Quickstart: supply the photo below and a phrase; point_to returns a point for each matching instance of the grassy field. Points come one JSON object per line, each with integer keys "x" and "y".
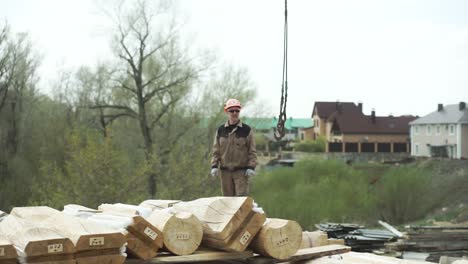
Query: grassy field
{"x": 315, "y": 191}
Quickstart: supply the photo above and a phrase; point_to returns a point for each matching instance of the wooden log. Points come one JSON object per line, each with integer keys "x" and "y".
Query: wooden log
{"x": 183, "y": 231}
{"x": 334, "y": 241}
{"x": 314, "y": 239}
{"x": 35, "y": 243}
{"x": 136, "y": 248}
{"x": 241, "y": 238}
{"x": 92, "y": 241}
{"x": 221, "y": 216}
{"x": 143, "y": 241}
{"x": 150, "y": 238}
{"x": 8, "y": 254}
{"x": 278, "y": 238}
{"x": 158, "y": 204}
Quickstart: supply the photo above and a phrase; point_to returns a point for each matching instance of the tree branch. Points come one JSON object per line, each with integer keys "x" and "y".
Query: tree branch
{"x": 128, "y": 110}
{"x": 150, "y": 95}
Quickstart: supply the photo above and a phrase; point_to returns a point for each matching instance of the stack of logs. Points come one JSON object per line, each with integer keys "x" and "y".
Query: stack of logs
{"x": 84, "y": 235}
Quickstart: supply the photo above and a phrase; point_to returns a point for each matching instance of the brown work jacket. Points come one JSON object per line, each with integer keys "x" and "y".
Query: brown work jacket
{"x": 234, "y": 148}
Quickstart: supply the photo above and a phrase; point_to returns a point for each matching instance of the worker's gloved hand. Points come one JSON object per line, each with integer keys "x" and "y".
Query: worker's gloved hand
{"x": 250, "y": 173}
{"x": 214, "y": 172}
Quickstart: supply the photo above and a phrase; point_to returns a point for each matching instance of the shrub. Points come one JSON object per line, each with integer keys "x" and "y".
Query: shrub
{"x": 314, "y": 191}
{"x": 317, "y": 145}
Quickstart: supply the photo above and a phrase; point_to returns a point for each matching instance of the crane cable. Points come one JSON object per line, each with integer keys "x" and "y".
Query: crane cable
{"x": 280, "y": 129}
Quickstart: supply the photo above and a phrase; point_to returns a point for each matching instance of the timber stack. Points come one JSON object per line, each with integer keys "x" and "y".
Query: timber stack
{"x": 143, "y": 239}
{"x": 94, "y": 243}
{"x": 229, "y": 223}
{"x": 215, "y": 229}
{"x": 36, "y": 244}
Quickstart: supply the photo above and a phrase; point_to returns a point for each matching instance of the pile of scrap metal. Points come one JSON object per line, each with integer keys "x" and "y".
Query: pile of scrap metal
{"x": 431, "y": 242}
{"x": 357, "y": 237}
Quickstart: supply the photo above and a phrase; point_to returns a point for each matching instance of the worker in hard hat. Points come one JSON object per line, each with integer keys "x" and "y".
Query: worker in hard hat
{"x": 234, "y": 153}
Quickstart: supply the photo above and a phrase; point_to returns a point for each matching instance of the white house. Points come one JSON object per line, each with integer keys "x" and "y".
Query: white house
{"x": 442, "y": 133}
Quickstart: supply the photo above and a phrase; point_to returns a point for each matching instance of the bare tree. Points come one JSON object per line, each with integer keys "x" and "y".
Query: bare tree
{"x": 155, "y": 72}
{"x": 6, "y": 65}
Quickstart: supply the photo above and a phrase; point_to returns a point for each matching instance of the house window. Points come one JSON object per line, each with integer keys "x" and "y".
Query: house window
{"x": 302, "y": 136}
{"x": 452, "y": 130}
{"x": 438, "y": 130}
{"x": 318, "y": 123}
{"x": 428, "y": 130}
{"x": 416, "y": 130}
{"x": 416, "y": 149}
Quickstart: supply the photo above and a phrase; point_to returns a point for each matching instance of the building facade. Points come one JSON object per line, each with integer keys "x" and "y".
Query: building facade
{"x": 347, "y": 129}
{"x": 442, "y": 133}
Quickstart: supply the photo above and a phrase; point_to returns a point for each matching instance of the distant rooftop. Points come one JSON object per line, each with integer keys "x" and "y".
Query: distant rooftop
{"x": 449, "y": 114}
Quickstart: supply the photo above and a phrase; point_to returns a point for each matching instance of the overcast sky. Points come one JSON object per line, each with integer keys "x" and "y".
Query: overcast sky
{"x": 397, "y": 56}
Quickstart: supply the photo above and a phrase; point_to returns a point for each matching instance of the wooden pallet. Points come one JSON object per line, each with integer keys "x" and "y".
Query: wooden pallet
{"x": 207, "y": 255}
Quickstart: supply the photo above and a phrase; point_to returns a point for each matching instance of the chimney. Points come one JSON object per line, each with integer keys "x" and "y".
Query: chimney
{"x": 373, "y": 116}
{"x": 359, "y": 105}
{"x": 462, "y": 106}
{"x": 440, "y": 107}
{"x": 339, "y": 107}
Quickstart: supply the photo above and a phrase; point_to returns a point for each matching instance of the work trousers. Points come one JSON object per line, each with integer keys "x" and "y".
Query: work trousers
{"x": 234, "y": 183}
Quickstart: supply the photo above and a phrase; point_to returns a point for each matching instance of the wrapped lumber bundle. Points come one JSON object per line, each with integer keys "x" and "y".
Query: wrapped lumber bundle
{"x": 94, "y": 243}
{"x": 229, "y": 223}
{"x": 125, "y": 210}
{"x": 182, "y": 231}
{"x": 278, "y": 238}
{"x": 8, "y": 253}
{"x": 35, "y": 244}
{"x": 158, "y": 204}
{"x": 143, "y": 239}
{"x": 2, "y": 215}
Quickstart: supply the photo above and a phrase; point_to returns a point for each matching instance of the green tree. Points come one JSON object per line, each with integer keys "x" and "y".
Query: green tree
{"x": 94, "y": 172}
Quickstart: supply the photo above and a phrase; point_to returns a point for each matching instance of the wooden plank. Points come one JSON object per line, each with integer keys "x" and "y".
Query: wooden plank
{"x": 304, "y": 254}
{"x": 198, "y": 256}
